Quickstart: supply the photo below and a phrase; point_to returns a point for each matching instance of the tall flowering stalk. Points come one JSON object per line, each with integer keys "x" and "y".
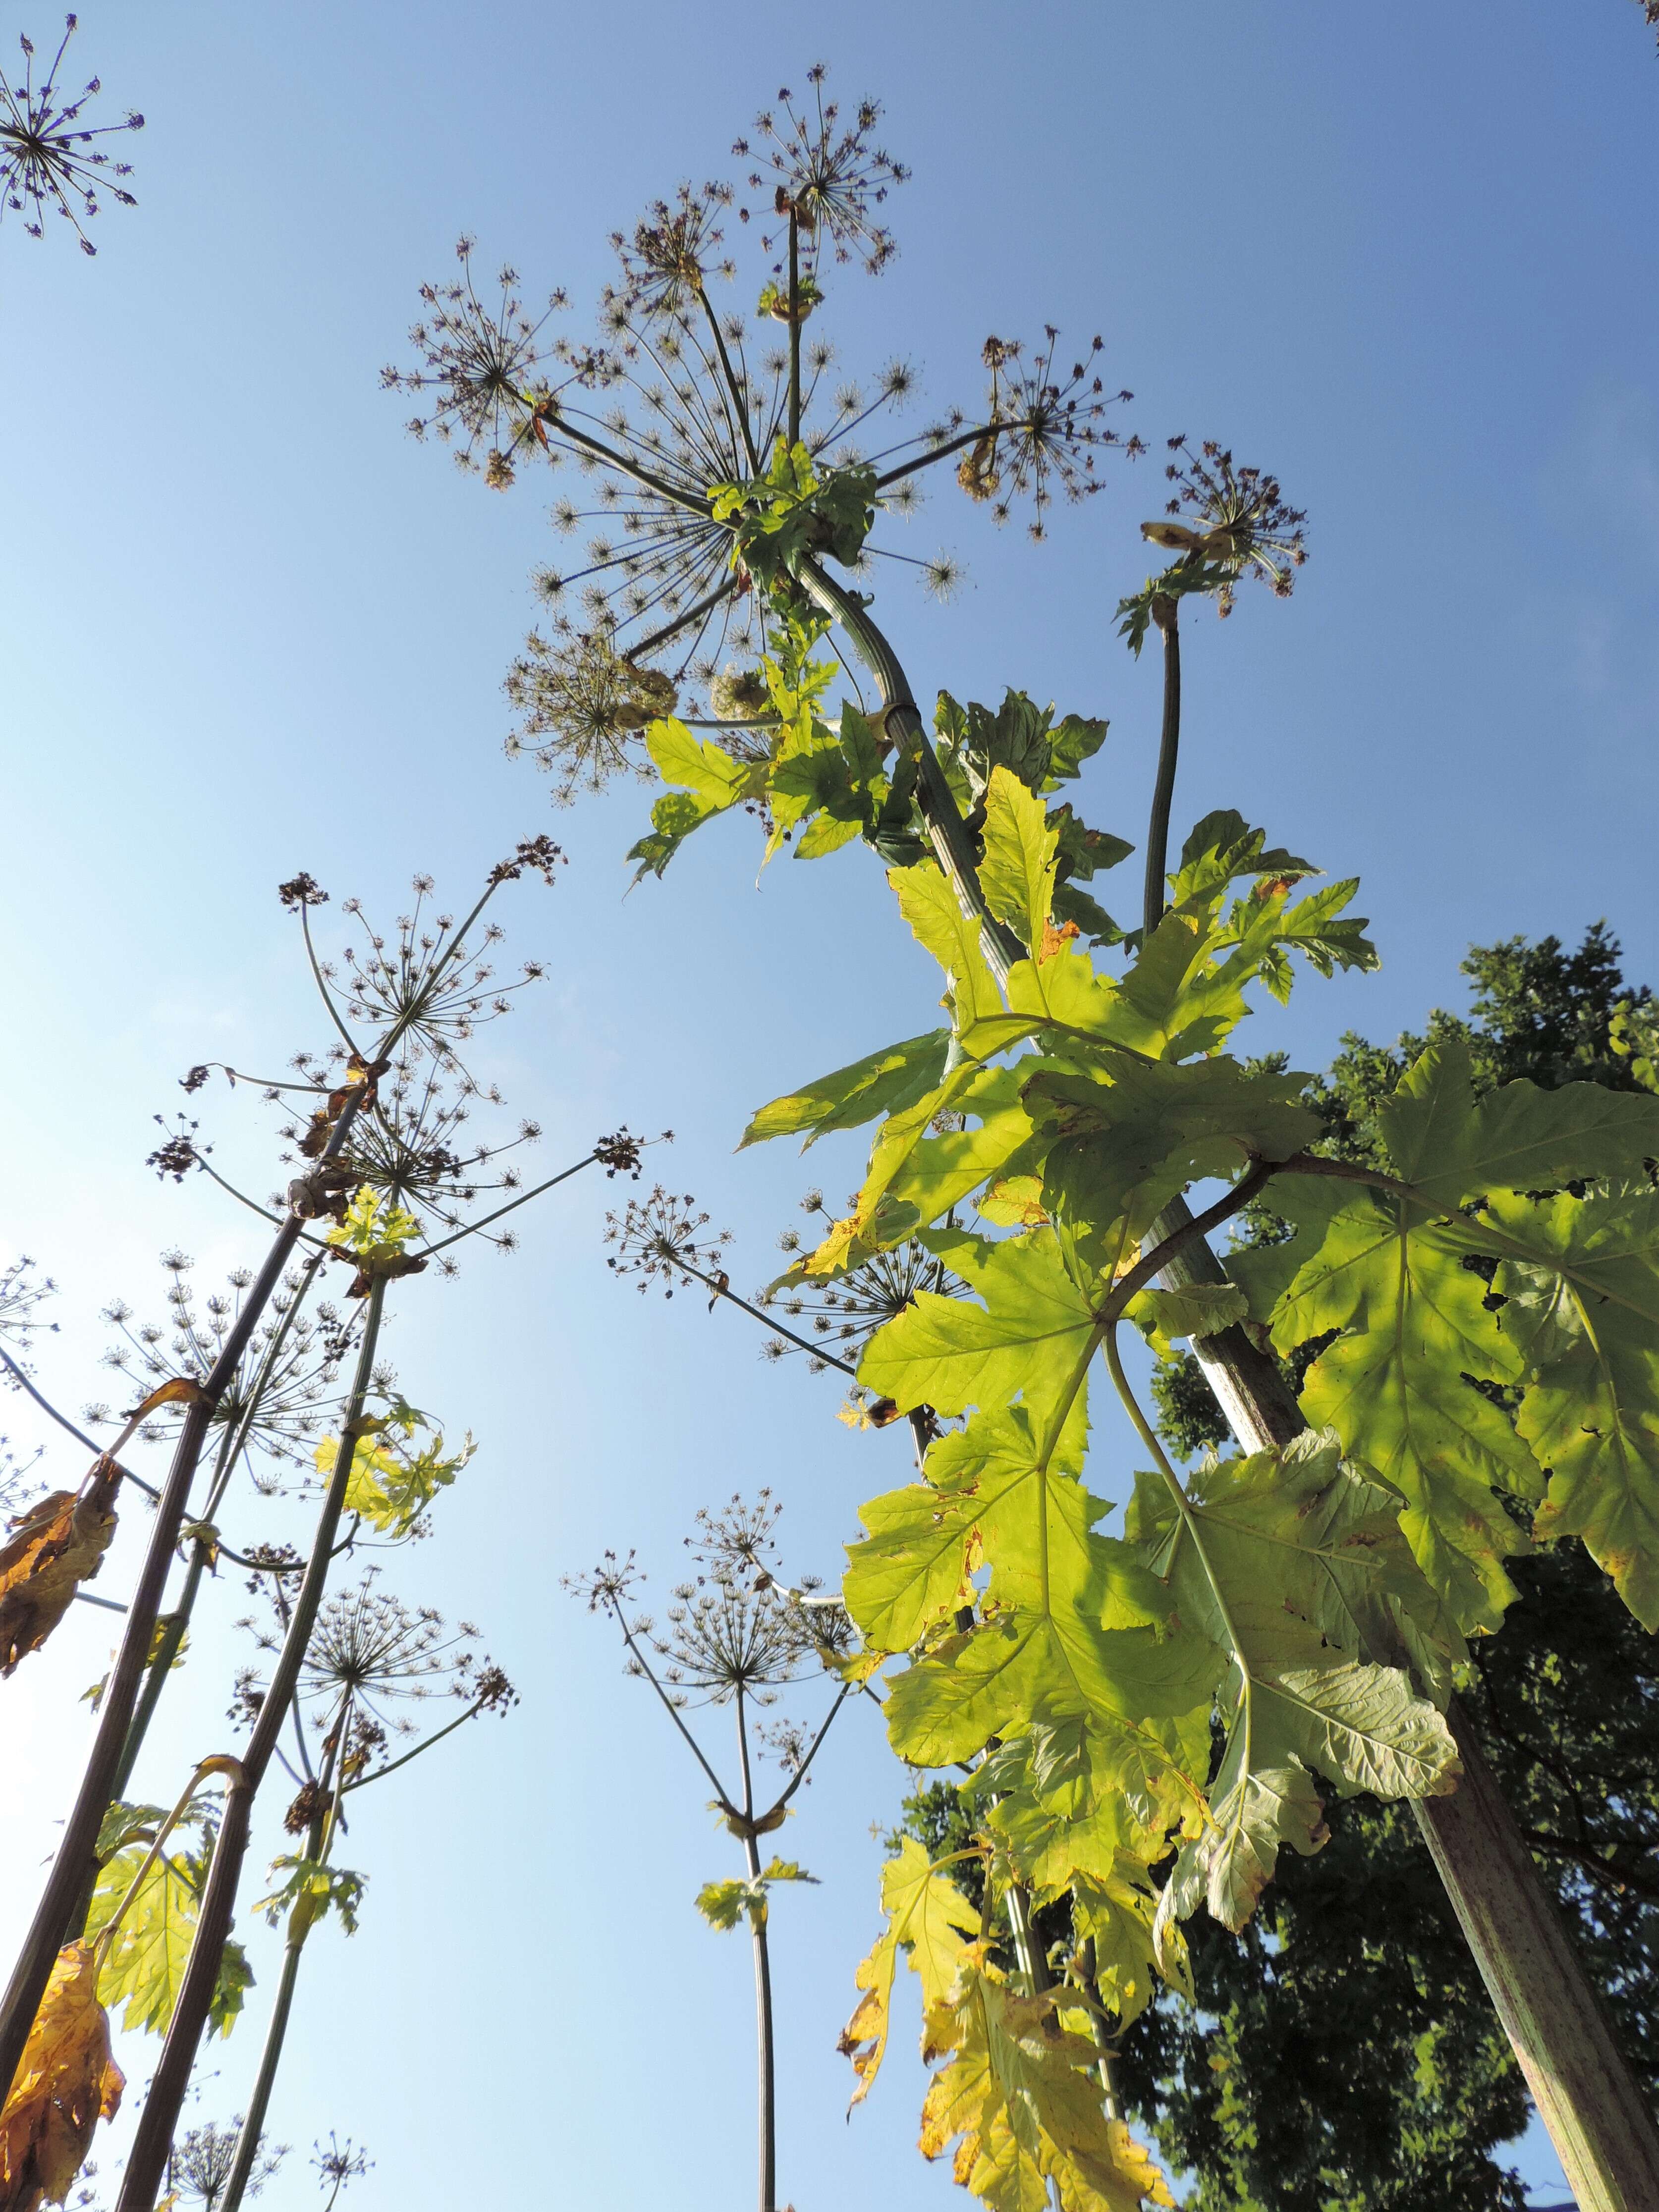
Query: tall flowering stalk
{"x": 377, "y": 1181}
{"x": 1166, "y": 1697}
{"x": 735, "y": 1635}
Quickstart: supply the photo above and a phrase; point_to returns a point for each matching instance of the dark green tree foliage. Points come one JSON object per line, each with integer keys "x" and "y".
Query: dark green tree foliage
{"x": 1342, "y": 2052}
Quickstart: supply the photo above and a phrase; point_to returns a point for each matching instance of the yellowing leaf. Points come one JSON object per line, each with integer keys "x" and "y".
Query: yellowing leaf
{"x": 55, "y": 1547}
{"x": 1021, "y": 2098}
{"x": 178, "y": 1390}
{"x": 723, "y": 1903}
{"x": 927, "y": 1912}
{"x": 931, "y": 907}
{"x": 1027, "y": 1338}
{"x": 391, "y": 1485}
{"x": 66, "y": 2083}
{"x": 145, "y": 1963}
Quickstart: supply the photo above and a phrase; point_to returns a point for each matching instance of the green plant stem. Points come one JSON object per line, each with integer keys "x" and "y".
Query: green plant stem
{"x": 767, "y": 2087}
{"x": 739, "y": 400}
{"x": 1032, "y": 1966}
{"x": 318, "y": 1838}
{"x": 676, "y": 495}
{"x": 147, "y": 2159}
{"x": 178, "y": 1621}
{"x": 248, "y": 2140}
{"x": 1167, "y": 615}
{"x": 23, "y": 1383}
{"x": 802, "y": 1343}
{"x": 672, "y": 1711}
{"x": 795, "y": 358}
{"x": 901, "y": 725}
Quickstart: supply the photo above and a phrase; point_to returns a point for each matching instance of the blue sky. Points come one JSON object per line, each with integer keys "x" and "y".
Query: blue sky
{"x": 1401, "y": 256}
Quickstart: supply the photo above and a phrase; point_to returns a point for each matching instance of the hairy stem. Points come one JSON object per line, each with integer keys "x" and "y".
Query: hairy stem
{"x": 258, "y": 2103}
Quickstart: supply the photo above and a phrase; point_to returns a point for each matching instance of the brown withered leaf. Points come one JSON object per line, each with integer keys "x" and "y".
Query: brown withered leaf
{"x": 382, "y": 1267}
{"x": 1055, "y": 940}
{"x": 66, "y": 2083}
{"x": 180, "y": 1390}
{"x": 52, "y": 1550}
{"x": 315, "y": 1143}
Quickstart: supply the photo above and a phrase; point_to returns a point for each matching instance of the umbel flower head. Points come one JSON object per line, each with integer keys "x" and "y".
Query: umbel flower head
{"x": 845, "y": 1314}
{"x": 734, "y": 1628}
{"x": 683, "y": 419}
{"x": 369, "y": 1652}
{"x": 200, "y": 2163}
{"x": 583, "y": 706}
{"x": 1234, "y": 520}
{"x": 661, "y": 1239}
{"x": 337, "y": 2164}
{"x": 49, "y": 160}
{"x": 479, "y": 365}
{"x": 829, "y": 177}
{"x": 22, "y": 1293}
{"x": 19, "y": 1486}
{"x": 280, "y": 1396}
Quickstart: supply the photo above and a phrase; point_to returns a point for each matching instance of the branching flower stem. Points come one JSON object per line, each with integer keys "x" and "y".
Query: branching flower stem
{"x": 768, "y": 2070}
{"x": 64, "y": 1421}
{"x": 742, "y": 1819}
{"x": 147, "y": 2159}
{"x": 76, "y": 1850}
{"x": 722, "y": 1290}
{"x": 900, "y": 725}
{"x": 202, "y": 1549}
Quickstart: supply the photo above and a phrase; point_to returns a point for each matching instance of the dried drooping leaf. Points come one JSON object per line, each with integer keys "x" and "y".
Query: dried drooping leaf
{"x": 52, "y": 1551}
{"x": 66, "y": 2083}
{"x": 177, "y": 1390}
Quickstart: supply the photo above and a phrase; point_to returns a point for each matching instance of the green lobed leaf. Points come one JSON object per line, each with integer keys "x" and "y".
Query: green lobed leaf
{"x": 1017, "y": 873}
{"x": 1585, "y": 1315}
{"x": 1028, "y": 1340}
{"x": 1415, "y": 1325}
{"x": 1452, "y": 1147}
{"x": 885, "y": 1082}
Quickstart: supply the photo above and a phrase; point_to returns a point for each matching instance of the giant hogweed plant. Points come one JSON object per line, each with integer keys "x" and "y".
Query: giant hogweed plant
{"x": 736, "y": 1635}
{"x": 385, "y": 1180}
{"x": 1148, "y": 1716}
